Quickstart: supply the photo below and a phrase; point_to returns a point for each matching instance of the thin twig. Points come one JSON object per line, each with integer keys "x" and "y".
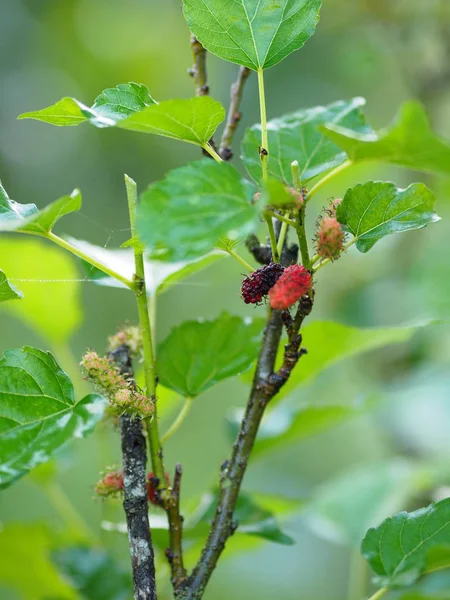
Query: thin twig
{"x": 198, "y": 70}
{"x": 234, "y": 114}
{"x": 135, "y": 504}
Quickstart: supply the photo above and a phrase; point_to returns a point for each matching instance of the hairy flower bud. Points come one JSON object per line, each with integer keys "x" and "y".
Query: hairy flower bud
{"x": 330, "y": 238}
{"x": 258, "y": 284}
{"x": 129, "y": 336}
{"x": 110, "y": 485}
{"x": 290, "y": 287}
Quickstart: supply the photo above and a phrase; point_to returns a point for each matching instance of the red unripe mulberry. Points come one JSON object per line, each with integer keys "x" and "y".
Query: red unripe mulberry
{"x": 152, "y": 487}
{"x": 330, "y": 238}
{"x": 258, "y": 284}
{"x": 111, "y": 484}
{"x": 290, "y": 287}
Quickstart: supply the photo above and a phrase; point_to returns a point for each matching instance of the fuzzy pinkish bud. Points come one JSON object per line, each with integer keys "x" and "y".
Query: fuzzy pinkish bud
{"x": 110, "y": 485}
{"x": 330, "y": 238}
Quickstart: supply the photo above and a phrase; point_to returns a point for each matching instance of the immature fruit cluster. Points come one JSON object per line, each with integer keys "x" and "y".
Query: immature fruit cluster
{"x": 258, "y": 284}
{"x": 111, "y": 486}
{"x": 290, "y": 287}
{"x": 330, "y": 235}
{"x": 121, "y": 392}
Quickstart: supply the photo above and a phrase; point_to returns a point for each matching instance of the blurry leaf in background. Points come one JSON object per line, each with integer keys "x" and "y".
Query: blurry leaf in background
{"x": 255, "y": 35}
{"x": 110, "y": 107}
{"x": 93, "y": 573}
{"x": 198, "y": 354}
{"x": 409, "y": 142}
{"x": 407, "y": 545}
{"x": 328, "y": 343}
{"x": 27, "y": 218}
{"x": 26, "y": 564}
{"x": 345, "y": 506}
{"x": 51, "y": 304}
{"x": 185, "y": 215}
{"x": 284, "y": 426}
{"x": 192, "y": 120}
{"x": 372, "y": 210}
{"x": 160, "y": 276}
{"x": 296, "y": 136}
{"x": 435, "y": 586}
{"x": 256, "y": 514}
{"x": 38, "y": 412}
{"x": 7, "y": 291}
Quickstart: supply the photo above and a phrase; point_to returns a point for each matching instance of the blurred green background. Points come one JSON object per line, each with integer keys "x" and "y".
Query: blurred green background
{"x": 384, "y": 50}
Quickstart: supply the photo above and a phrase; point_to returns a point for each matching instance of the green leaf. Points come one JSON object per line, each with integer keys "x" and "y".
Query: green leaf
{"x": 254, "y": 34}
{"x": 193, "y": 120}
{"x": 409, "y": 142}
{"x": 185, "y": 215}
{"x": 398, "y": 550}
{"x": 297, "y": 137}
{"x": 48, "y": 278}
{"x": 7, "y": 291}
{"x": 283, "y": 426}
{"x": 30, "y": 544}
{"x": 372, "y": 210}
{"x": 344, "y": 507}
{"x": 93, "y": 573}
{"x": 257, "y": 515}
{"x": 434, "y": 586}
{"x": 109, "y": 108}
{"x": 27, "y": 218}
{"x": 328, "y": 343}
{"x": 159, "y": 276}
{"x": 38, "y": 413}
{"x": 196, "y": 355}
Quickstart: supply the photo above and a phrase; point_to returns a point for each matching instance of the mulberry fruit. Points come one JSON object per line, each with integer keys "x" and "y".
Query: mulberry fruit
{"x": 111, "y": 484}
{"x": 258, "y": 284}
{"x": 290, "y": 287}
{"x": 330, "y": 238}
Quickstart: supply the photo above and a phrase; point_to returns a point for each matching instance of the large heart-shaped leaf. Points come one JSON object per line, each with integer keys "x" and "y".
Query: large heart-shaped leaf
{"x": 252, "y": 33}
{"x": 7, "y": 291}
{"x": 192, "y": 120}
{"x": 297, "y": 137}
{"x": 283, "y": 426}
{"x": 185, "y": 215}
{"x": 110, "y": 107}
{"x": 38, "y": 412}
{"x": 159, "y": 276}
{"x": 409, "y": 142}
{"x": 27, "y": 218}
{"x": 371, "y": 210}
{"x": 49, "y": 279}
{"x": 407, "y": 545}
{"x": 198, "y": 354}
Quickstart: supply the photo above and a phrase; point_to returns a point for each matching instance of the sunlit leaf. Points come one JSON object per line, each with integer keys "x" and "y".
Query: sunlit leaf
{"x": 7, "y": 291}
{"x": 198, "y": 354}
{"x": 27, "y": 218}
{"x": 93, "y": 573}
{"x": 372, "y": 210}
{"x": 160, "y": 276}
{"x": 185, "y": 215}
{"x": 297, "y": 137}
{"x": 38, "y": 412}
{"x": 48, "y": 278}
{"x": 110, "y": 107}
{"x": 192, "y": 120}
{"x": 254, "y": 34}
{"x": 26, "y": 566}
{"x": 283, "y": 426}
{"x": 399, "y": 550}
{"x": 409, "y": 142}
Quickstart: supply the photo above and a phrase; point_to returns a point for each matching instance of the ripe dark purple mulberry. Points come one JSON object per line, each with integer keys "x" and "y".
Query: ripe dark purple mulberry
{"x": 258, "y": 284}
